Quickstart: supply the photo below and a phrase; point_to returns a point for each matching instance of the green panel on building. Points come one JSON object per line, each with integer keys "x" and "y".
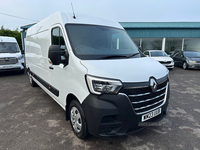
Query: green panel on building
{"x": 161, "y": 35}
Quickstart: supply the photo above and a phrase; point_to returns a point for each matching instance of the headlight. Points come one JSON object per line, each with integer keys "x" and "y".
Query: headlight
{"x": 192, "y": 61}
{"x": 99, "y": 85}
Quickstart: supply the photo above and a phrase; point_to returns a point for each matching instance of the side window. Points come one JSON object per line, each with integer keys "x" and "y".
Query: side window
{"x": 57, "y": 38}
{"x": 179, "y": 54}
{"x": 175, "y": 54}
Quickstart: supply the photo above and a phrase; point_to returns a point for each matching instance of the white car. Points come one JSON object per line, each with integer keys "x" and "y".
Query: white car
{"x": 162, "y": 57}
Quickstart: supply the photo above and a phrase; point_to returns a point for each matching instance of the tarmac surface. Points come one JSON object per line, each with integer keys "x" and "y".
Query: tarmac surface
{"x": 31, "y": 120}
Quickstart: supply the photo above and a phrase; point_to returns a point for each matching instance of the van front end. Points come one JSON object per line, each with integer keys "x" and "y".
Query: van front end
{"x": 11, "y": 58}
{"x": 93, "y": 69}
{"x": 133, "y": 107}
{"x": 11, "y": 62}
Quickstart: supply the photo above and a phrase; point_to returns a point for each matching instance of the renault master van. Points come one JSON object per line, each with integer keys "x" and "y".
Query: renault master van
{"x": 11, "y": 58}
{"x": 93, "y": 70}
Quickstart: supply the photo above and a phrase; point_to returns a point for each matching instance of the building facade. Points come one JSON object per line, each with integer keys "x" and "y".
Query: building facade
{"x": 166, "y": 36}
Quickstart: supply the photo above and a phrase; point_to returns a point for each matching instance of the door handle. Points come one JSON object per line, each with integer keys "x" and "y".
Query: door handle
{"x": 51, "y": 67}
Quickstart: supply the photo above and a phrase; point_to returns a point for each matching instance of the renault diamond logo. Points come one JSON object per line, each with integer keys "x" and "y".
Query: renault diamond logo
{"x": 153, "y": 84}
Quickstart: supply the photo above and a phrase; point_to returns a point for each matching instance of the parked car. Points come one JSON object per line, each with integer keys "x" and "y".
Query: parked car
{"x": 11, "y": 58}
{"x": 187, "y": 59}
{"x": 94, "y": 71}
{"x": 160, "y": 56}
{"x": 171, "y": 53}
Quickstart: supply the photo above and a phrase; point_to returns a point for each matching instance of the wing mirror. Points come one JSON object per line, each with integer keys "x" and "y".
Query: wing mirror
{"x": 57, "y": 56}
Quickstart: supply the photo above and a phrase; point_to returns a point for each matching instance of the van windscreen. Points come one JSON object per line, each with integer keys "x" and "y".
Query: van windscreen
{"x": 7, "y": 47}
{"x": 91, "y": 42}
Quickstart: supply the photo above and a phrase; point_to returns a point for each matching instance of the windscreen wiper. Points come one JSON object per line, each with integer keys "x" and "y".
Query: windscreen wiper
{"x": 113, "y": 56}
{"x": 118, "y": 56}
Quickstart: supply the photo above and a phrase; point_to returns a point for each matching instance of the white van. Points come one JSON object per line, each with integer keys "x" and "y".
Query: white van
{"x": 11, "y": 58}
{"x": 94, "y": 71}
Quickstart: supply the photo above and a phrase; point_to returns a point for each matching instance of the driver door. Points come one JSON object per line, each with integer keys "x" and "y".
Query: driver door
{"x": 58, "y": 74}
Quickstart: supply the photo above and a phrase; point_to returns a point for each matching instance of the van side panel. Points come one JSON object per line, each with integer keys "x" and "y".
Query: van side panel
{"x": 62, "y": 81}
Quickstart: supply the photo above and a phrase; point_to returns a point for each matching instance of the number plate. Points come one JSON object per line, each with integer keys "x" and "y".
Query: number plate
{"x": 7, "y": 67}
{"x": 151, "y": 114}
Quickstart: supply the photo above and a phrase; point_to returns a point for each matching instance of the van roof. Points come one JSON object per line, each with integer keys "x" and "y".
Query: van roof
{"x": 7, "y": 39}
{"x": 67, "y": 18}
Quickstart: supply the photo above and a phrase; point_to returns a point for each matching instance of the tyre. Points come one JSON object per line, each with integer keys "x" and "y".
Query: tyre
{"x": 78, "y": 120}
{"x": 32, "y": 82}
{"x": 184, "y": 65}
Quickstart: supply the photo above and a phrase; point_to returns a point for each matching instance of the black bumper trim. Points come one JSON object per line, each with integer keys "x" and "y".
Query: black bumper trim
{"x": 11, "y": 69}
{"x": 113, "y": 115}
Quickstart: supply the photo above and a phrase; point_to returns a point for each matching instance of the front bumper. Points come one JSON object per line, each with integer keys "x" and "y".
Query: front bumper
{"x": 169, "y": 66}
{"x": 113, "y": 115}
{"x": 15, "y": 67}
{"x": 194, "y": 66}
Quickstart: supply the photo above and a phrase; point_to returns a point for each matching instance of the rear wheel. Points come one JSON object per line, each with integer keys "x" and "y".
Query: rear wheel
{"x": 184, "y": 65}
{"x": 32, "y": 82}
{"x": 78, "y": 120}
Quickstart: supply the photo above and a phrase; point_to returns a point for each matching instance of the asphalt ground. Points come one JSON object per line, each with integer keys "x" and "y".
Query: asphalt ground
{"x": 31, "y": 120}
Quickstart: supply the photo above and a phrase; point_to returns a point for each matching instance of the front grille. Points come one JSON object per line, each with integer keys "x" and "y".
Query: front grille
{"x": 143, "y": 99}
{"x": 165, "y": 62}
{"x": 8, "y": 61}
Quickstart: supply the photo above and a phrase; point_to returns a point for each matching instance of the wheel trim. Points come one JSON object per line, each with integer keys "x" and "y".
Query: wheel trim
{"x": 184, "y": 65}
{"x": 76, "y": 119}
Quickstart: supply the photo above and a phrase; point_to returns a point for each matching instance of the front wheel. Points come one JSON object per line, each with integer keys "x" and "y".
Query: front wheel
{"x": 32, "y": 82}
{"x": 184, "y": 65}
{"x": 78, "y": 120}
